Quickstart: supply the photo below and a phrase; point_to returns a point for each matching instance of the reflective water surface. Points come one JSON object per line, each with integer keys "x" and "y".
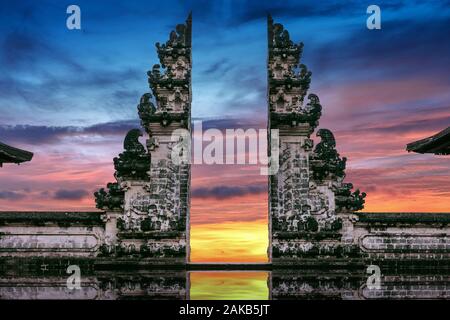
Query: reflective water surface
{"x": 261, "y": 285}
{"x": 229, "y": 285}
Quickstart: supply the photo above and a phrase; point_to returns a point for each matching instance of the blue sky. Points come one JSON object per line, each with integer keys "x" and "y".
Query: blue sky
{"x": 55, "y": 76}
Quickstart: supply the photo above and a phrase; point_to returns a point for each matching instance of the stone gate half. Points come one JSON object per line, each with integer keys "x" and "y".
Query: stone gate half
{"x": 152, "y": 190}
{"x": 312, "y": 211}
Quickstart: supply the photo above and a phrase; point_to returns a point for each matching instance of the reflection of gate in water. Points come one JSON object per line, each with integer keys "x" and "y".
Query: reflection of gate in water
{"x": 225, "y": 285}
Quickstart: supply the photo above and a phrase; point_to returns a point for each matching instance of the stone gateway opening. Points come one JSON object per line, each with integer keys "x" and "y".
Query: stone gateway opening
{"x": 313, "y": 214}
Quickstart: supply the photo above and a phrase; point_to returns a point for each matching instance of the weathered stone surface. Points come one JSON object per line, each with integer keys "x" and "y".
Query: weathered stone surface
{"x": 134, "y": 162}
{"x": 163, "y": 204}
{"x": 112, "y": 199}
{"x": 403, "y": 236}
{"x": 308, "y": 192}
{"x": 50, "y": 240}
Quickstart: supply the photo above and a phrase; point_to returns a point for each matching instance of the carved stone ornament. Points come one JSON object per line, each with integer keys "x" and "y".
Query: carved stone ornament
{"x": 134, "y": 162}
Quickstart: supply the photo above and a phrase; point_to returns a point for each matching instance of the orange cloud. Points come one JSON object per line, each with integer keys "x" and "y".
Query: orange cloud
{"x": 240, "y": 241}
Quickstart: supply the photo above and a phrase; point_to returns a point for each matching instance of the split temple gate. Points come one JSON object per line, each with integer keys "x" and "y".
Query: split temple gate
{"x": 314, "y": 221}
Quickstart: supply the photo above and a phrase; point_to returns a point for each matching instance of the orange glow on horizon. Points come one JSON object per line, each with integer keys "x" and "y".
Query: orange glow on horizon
{"x": 418, "y": 202}
{"x": 239, "y": 241}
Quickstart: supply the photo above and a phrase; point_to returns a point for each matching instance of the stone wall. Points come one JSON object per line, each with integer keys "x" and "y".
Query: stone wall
{"x": 51, "y": 234}
{"x": 403, "y": 236}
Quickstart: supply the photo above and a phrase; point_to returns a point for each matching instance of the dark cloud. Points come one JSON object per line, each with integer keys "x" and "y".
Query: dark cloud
{"x": 290, "y": 9}
{"x": 127, "y": 94}
{"x": 402, "y": 48}
{"x": 237, "y": 12}
{"x": 51, "y": 134}
{"x": 403, "y": 127}
{"x": 112, "y": 128}
{"x": 55, "y": 72}
{"x": 219, "y": 67}
{"x": 37, "y": 135}
{"x": 224, "y": 192}
{"x": 76, "y": 194}
{"x": 27, "y": 50}
{"x": 33, "y": 134}
{"x": 11, "y": 195}
{"x": 233, "y": 123}
{"x": 44, "y": 94}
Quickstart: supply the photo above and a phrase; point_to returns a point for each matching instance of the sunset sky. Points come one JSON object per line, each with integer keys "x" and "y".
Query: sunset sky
{"x": 70, "y": 96}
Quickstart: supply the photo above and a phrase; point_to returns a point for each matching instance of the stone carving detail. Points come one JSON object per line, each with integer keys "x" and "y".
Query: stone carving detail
{"x": 346, "y": 200}
{"x": 170, "y": 80}
{"x": 308, "y": 191}
{"x": 163, "y": 249}
{"x": 48, "y": 242}
{"x": 406, "y": 243}
{"x": 110, "y": 200}
{"x": 289, "y": 80}
{"x": 166, "y": 201}
{"x": 146, "y": 109}
{"x": 134, "y": 162}
{"x": 165, "y": 109}
{"x": 157, "y": 202}
{"x": 312, "y": 211}
{"x": 148, "y": 248}
{"x": 326, "y": 161}
{"x": 312, "y": 249}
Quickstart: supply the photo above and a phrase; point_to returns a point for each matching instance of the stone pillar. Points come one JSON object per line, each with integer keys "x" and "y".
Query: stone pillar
{"x": 166, "y": 116}
{"x": 307, "y": 192}
{"x": 111, "y": 230}
{"x": 153, "y": 183}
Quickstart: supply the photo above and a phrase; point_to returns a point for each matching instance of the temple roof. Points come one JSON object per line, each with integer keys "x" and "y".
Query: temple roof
{"x": 10, "y": 154}
{"x": 437, "y": 144}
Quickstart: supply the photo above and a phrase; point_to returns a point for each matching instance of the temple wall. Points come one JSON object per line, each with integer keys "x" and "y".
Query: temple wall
{"x": 50, "y": 241}
{"x": 423, "y": 236}
{"x": 368, "y": 237}
{"x": 51, "y": 234}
